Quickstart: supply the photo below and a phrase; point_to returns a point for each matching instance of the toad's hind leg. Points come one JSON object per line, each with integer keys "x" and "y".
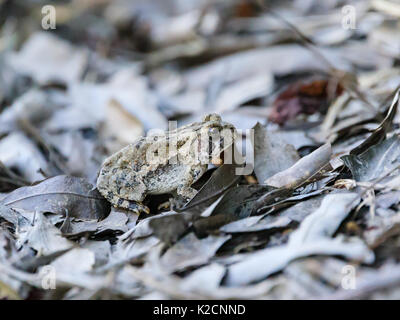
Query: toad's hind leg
{"x": 124, "y": 195}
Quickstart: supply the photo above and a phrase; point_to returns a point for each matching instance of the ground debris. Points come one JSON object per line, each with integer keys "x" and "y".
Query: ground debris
{"x": 308, "y": 187}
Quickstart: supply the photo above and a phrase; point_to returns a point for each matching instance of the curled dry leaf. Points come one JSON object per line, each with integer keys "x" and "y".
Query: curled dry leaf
{"x": 220, "y": 181}
{"x": 303, "y": 169}
{"x": 377, "y": 161}
{"x": 380, "y": 133}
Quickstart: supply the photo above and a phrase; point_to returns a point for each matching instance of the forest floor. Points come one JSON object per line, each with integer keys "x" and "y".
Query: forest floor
{"x": 312, "y": 88}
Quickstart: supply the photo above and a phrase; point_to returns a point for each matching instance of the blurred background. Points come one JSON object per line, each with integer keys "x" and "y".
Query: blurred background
{"x": 88, "y": 77}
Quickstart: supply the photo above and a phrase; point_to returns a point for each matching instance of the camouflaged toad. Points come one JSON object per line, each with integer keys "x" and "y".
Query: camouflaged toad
{"x": 167, "y": 163}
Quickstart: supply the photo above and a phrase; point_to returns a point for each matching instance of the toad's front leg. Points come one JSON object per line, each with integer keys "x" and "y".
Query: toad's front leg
{"x": 184, "y": 189}
{"x": 129, "y": 197}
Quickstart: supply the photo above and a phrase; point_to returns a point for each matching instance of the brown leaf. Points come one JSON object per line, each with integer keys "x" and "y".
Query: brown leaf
{"x": 303, "y": 98}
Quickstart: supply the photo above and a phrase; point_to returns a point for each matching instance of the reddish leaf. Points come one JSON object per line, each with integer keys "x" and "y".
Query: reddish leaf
{"x": 303, "y": 98}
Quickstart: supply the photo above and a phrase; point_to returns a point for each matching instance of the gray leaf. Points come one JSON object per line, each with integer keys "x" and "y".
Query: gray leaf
{"x": 190, "y": 251}
{"x": 271, "y": 153}
{"x": 60, "y": 195}
{"x": 376, "y": 161}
